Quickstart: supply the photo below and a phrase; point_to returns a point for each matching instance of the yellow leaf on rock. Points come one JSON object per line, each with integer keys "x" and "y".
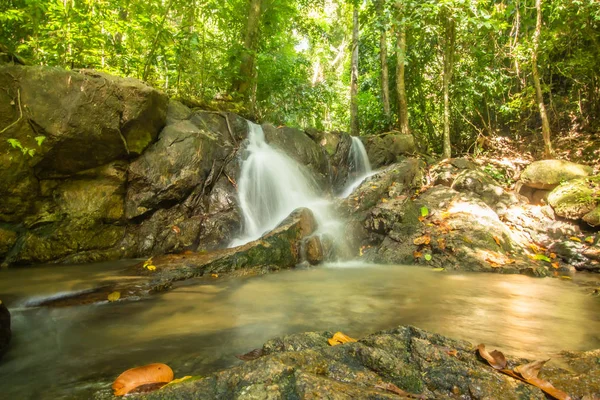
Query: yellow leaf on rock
{"x": 151, "y": 267}
{"x": 114, "y": 296}
{"x": 340, "y": 338}
{"x": 384, "y": 200}
{"x": 178, "y": 380}
{"x": 575, "y": 239}
{"x": 214, "y": 275}
{"x": 497, "y": 240}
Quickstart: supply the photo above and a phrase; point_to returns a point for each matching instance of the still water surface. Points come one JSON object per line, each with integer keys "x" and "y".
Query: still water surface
{"x": 69, "y": 353}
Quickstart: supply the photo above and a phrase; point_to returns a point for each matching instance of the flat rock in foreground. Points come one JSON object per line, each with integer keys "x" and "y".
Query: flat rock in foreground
{"x": 304, "y": 366}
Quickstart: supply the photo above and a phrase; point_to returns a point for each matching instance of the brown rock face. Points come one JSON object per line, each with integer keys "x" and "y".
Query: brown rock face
{"x": 314, "y": 250}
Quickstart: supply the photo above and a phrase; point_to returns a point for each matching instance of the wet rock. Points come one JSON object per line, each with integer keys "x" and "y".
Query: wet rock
{"x": 303, "y": 366}
{"x": 279, "y": 249}
{"x": 547, "y": 174}
{"x": 489, "y": 190}
{"x": 340, "y": 165}
{"x": 5, "y": 332}
{"x": 299, "y": 146}
{"x": 576, "y": 198}
{"x": 314, "y": 250}
{"x": 7, "y": 240}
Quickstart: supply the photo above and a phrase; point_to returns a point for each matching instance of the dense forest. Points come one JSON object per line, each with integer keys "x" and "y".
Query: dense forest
{"x": 451, "y": 72}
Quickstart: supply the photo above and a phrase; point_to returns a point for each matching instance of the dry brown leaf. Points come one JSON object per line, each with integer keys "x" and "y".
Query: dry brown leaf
{"x": 390, "y": 387}
{"x": 421, "y": 219}
{"x": 530, "y": 370}
{"x": 252, "y": 355}
{"x": 496, "y": 359}
{"x": 555, "y": 265}
{"x": 417, "y": 254}
{"x": 146, "y": 375}
{"x": 452, "y": 353}
{"x": 441, "y": 243}
{"x": 340, "y": 338}
{"x": 176, "y": 229}
{"x": 425, "y": 239}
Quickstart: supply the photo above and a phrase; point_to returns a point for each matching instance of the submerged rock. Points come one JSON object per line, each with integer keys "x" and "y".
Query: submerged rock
{"x": 432, "y": 366}
{"x": 5, "y": 333}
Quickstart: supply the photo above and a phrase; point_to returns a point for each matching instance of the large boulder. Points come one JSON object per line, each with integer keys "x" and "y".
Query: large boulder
{"x": 404, "y": 362}
{"x": 5, "y": 333}
{"x": 576, "y": 198}
{"x": 388, "y": 148}
{"x": 547, "y": 174}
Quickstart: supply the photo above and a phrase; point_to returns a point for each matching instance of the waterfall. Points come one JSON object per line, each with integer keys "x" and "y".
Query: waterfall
{"x": 271, "y": 186}
{"x": 358, "y": 159}
{"x": 359, "y": 166}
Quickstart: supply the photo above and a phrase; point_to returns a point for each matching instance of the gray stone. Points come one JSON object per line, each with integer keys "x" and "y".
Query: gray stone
{"x": 547, "y": 174}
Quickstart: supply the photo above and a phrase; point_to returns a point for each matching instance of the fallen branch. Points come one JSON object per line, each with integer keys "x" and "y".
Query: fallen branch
{"x": 20, "y": 112}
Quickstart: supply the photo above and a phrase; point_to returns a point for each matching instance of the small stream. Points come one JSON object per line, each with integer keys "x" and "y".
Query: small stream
{"x": 69, "y": 353}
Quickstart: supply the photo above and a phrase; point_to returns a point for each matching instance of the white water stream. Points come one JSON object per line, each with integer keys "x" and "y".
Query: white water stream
{"x": 359, "y": 166}
{"x": 271, "y": 186}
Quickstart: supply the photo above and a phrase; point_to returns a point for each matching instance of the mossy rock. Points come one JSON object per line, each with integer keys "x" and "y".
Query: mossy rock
{"x": 547, "y": 174}
{"x": 576, "y": 198}
{"x": 593, "y": 217}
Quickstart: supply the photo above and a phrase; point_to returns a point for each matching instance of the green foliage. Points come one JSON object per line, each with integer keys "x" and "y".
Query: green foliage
{"x": 191, "y": 49}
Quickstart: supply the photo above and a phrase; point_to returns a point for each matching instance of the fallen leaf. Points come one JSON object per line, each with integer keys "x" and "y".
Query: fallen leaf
{"x": 421, "y": 219}
{"x": 135, "y": 377}
{"x": 252, "y": 355}
{"x": 339, "y": 338}
{"x": 575, "y": 239}
{"x": 428, "y": 257}
{"x": 497, "y": 240}
{"x": 214, "y": 275}
{"x": 530, "y": 370}
{"x": 542, "y": 257}
{"x": 589, "y": 239}
{"x": 390, "y": 387}
{"x": 452, "y": 353}
{"x": 417, "y": 254}
{"x": 384, "y": 200}
{"x": 441, "y": 243}
{"x": 555, "y": 265}
{"x": 178, "y": 380}
{"x": 425, "y": 239}
{"x": 438, "y": 269}
{"x": 114, "y": 296}
{"x": 424, "y": 211}
{"x": 496, "y": 359}
{"x": 176, "y": 229}
{"x": 552, "y": 256}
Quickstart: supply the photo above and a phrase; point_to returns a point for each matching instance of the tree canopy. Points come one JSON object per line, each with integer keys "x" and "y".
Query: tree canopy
{"x": 468, "y": 67}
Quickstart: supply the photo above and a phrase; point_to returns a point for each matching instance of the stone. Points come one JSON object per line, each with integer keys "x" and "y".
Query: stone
{"x": 8, "y": 238}
{"x": 314, "y": 250}
{"x": 575, "y": 198}
{"x": 387, "y": 149}
{"x": 176, "y": 111}
{"x": 5, "y": 332}
{"x": 547, "y": 174}
{"x": 304, "y": 366}
{"x": 278, "y": 249}
{"x": 444, "y": 172}
{"x": 593, "y": 217}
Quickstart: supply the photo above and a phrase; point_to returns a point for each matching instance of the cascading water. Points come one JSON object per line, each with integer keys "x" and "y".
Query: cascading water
{"x": 359, "y": 166}
{"x": 358, "y": 159}
{"x": 271, "y": 186}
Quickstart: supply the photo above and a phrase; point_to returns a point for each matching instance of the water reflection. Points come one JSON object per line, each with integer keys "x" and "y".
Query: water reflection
{"x": 197, "y": 328}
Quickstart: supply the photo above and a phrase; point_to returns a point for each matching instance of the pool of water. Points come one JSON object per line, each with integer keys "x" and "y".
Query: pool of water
{"x": 199, "y": 327}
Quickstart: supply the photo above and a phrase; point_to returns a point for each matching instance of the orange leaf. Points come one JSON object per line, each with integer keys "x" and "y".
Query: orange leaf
{"x": 340, "y": 338}
{"x": 421, "y": 219}
{"x": 552, "y": 256}
{"x": 176, "y": 229}
{"x": 417, "y": 254}
{"x": 555, "y": 265}
{"x": 148, "y": 374}
{"x": 425, "y": 239}
{"x": 214, "y": 275}
{"x": 497, "y": 240}
{"x": 442, "y": 243}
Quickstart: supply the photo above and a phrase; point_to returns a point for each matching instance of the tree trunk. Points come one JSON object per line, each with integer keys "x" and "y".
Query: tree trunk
{"x": 400, "y": 61}
{"x": 244, "y": 83}
{"x": 450, "y": 42}
{"x": 354, "y": 126}
{"x": 385, "y": 79}
{"x": 548, "y": 152}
